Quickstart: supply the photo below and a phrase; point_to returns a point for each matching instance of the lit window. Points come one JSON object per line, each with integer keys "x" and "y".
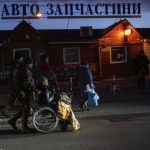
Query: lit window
{"x": 118, "y": 55}
{"x": 71, "y": 55}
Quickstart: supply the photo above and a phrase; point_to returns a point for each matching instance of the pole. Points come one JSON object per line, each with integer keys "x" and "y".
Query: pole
{"x": 71, "y": 83}
{"x": 3, "y": 65}
{"x": 100, "y": 62}
{"x": 114, "y": 85}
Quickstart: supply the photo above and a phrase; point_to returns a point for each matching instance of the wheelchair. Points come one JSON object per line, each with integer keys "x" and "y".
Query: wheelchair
{"x": 45, "y": 117}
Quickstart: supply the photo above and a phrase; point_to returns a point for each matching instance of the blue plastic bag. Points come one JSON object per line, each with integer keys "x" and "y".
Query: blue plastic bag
{"x": 93, "y": 98}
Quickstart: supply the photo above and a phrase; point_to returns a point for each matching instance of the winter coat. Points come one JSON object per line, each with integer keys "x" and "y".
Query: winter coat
{"x": 141, "y": 62}
{"x": 83, "y": 78}
{"x": 24, "y": 79}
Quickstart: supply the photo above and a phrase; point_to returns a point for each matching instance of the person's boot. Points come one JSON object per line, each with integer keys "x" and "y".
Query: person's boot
{"x": 86, "y": 106}
{"x": 82, "y": 106}
{"x": 13, "y": 124}
{"x": 26, "y": 129}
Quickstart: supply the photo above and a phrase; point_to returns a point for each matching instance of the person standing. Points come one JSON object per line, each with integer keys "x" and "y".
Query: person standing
{"x": 13, "y": 72}
{"x": 44, "y": 70}
{"x": 84, "y": 80}
{"x": 141, "y": 69}
{"x": 24, "y": 90}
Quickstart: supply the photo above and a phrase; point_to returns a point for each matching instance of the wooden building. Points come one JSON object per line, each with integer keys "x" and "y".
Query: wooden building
{"x": 109, "y": 51}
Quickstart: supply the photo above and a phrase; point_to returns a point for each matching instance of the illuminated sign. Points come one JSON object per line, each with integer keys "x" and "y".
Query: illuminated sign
{"x": 66, "y": 10}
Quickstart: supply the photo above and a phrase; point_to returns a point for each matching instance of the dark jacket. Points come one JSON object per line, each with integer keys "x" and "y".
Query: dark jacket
{"x": 52, "y": 81}
{"x": 84, "y": 78}
{"x": 141, "y": 62}
{"x": 24, "y": 79}
{"x": 49, "y": 74}
{"x": 45, "y": 96}
{"x": 13, "y": 72}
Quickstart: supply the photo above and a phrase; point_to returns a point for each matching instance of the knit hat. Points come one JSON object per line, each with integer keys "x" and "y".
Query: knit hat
{"x": 84, "y": 63}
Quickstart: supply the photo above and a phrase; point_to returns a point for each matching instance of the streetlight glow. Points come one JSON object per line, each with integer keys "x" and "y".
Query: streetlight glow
{"x": 128, "y": 32}
{"x": 39, "y": 14}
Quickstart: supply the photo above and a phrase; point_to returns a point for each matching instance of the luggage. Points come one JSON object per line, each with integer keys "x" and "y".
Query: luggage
{"x": 93, "y": 98}
{"x": 75, "y": 123}
{"x": 65, "y": 111}
{"x": 65, "y": 97}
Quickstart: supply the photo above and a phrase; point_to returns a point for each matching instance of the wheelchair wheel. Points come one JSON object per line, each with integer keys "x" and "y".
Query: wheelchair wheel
{"x": 45, "y": 119}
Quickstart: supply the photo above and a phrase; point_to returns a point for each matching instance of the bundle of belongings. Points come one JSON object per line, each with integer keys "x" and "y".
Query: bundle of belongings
{"x": 65, "y": 111}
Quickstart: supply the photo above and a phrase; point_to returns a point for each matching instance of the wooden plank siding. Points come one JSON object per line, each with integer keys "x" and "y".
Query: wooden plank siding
{"x": 95, "y": 49}
{"x": 147, "y": 50}
{"x": 116, "y": 38}
{"x": 88, "y": 52}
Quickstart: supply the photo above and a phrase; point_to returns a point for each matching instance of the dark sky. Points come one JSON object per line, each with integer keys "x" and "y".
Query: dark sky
{"x": 76, "y": 23}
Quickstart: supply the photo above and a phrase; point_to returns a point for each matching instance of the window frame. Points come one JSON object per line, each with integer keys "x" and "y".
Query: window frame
{"x": 21, "y": 49}
{"x": 64, "y": 58}
{"x": 117, "y": 62}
